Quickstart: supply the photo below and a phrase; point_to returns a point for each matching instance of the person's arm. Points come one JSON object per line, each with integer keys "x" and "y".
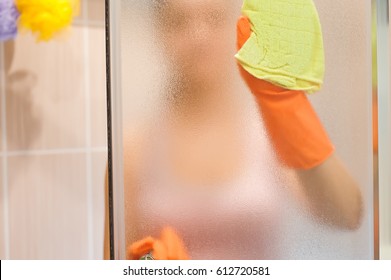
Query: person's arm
{"x": 301, "y": 143}
{"x": 332, "y": 194}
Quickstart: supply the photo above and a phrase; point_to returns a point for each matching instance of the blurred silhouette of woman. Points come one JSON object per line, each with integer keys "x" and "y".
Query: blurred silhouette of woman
{"x": 206, "y": 167}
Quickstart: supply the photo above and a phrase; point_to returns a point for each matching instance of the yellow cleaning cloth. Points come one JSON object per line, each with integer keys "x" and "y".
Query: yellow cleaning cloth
{"x": 286, "y": 44}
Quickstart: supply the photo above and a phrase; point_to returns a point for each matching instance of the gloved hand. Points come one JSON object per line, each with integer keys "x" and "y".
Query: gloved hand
{"x": 168, "y": 247}
{"x": 293, "y": 126}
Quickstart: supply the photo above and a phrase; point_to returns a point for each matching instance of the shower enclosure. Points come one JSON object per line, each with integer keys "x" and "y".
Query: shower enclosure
{"x": 351, "y": 104}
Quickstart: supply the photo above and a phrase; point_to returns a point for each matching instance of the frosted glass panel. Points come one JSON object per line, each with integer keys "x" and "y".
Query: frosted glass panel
{"x": 197, "y": 155}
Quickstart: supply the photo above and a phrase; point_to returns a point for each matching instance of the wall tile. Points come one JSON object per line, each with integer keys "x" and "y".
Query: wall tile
{"x": 97, "y": 72}
{"x": 48, "y": 212}
{"x": 45, "y": 93}
{"x": 96, "y": 10}
{"x": 1, "y": 118}
{"x": 99, "y": 163}
{"x": 6, "y": 50}
{"x": 2, "y": 225}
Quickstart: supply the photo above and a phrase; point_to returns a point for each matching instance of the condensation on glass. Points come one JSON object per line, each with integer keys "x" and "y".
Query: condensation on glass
{"x": 196, "y": 154}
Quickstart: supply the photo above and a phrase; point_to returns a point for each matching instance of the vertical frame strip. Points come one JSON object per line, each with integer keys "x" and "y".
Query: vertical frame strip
{"x": 115, "y": 143}
{"x": 384, "y": 125}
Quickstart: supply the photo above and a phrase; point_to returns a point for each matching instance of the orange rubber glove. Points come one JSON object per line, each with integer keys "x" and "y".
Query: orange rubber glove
{"x": 292, "y": 124}
{"x": 168, "y": 247}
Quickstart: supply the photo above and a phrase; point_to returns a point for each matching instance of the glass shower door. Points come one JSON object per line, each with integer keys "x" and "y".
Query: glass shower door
{"x": 190, "y": 148}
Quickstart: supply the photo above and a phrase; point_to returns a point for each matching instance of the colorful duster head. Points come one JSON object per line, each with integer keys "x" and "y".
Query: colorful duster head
{"x": 46, "y": 18}
{"x": 8, "y": 20}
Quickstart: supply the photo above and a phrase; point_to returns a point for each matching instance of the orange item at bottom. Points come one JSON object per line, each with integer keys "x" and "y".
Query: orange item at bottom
{"x": 168, "y": 247}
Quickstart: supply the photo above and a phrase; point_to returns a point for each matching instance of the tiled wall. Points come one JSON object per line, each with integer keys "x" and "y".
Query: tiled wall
{"x": 53, "y": 148}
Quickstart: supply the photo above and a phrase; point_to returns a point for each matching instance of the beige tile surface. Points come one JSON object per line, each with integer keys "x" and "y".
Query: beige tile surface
{"x": 96, "y": 10}
{"x": 45, "y": 93}
{"x": 2, "y": 225}
{"x": 4, "y": 68}
{"x": 1, "y": 111}
{"x": 99, "y": 162}
{"x": 80, "y": 15}
{"x": 97, "y": 72}
{"x": 47, "y": 207}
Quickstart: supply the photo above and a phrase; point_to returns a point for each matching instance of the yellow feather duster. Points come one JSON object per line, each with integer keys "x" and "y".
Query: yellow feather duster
{"x": 46, "y": 18}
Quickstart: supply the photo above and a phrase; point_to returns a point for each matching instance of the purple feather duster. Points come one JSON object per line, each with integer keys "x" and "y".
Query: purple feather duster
{"x": 8, "y": 20}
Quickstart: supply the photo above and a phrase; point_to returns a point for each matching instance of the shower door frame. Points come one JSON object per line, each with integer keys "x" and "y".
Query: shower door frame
{"x": 382, "y": 159}
{"x": 114, "y": 131}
